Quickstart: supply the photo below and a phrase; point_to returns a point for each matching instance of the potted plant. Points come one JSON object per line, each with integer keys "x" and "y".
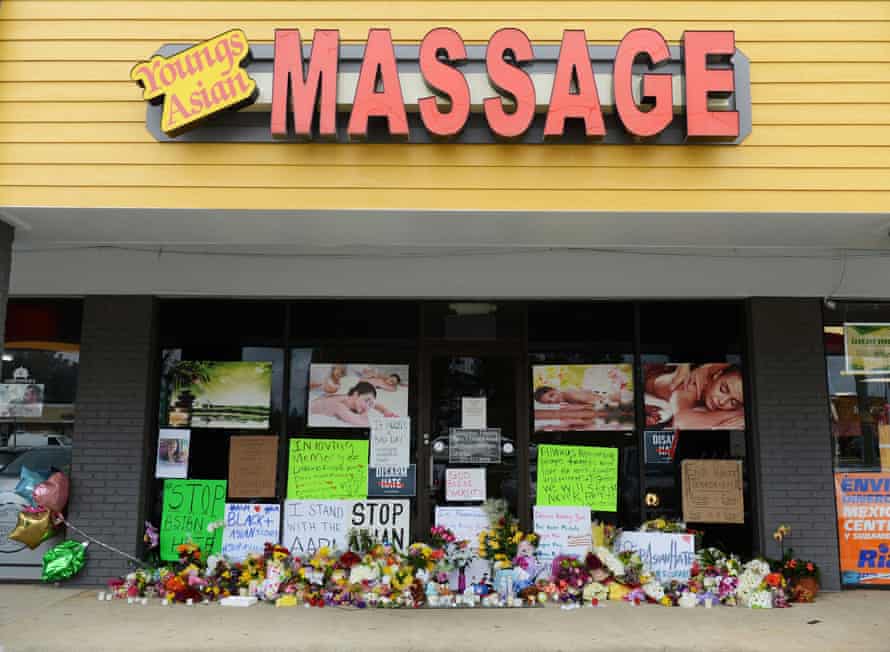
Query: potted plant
{"x": 802, "y": 575}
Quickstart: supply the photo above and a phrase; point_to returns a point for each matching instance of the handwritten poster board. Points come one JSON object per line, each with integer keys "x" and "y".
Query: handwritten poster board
{"x": 311, "y": 524}
{"x": 562, "y": 531}
{"x": 253, "y": 462}
{"x": 712, "y": 491}
{"x": 474, "y": 446}
{"x": 466, "y": 523}
{"x": 189, "y": 507}
{"x": 578, "y": 475}
{"x": 248, "y": 527}
{"x": 390, "y": 442}
{"x": 667, "y": 556}
{"x": 465, "y": 484}
{"x": 327, "y": 469}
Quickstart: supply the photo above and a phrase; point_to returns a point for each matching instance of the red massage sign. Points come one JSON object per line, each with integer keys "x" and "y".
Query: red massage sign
{"x": 439, "y": 90}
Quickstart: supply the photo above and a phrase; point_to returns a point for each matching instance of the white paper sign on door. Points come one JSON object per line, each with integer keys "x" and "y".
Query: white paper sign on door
{"x": 465, "y": 484}
{"x": 562, "y": 531}
{"x": 248, "y": 528}
{"x": 473, "y": 412}
{"x": 390, "y": 442}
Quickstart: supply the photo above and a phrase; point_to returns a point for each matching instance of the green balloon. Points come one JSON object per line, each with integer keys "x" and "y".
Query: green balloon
{"x": 63, "y": 561}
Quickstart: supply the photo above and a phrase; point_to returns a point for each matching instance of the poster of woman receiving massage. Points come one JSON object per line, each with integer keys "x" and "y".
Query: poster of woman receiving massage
{"x": 583, "y": 397}
{"x": 347, "y": 395}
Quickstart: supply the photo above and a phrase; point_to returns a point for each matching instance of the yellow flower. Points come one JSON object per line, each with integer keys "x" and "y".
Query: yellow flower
{"x": 495, "y": 545}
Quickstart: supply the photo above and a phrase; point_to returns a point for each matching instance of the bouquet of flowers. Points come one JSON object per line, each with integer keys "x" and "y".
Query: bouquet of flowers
{"x": 500, "y": 542}
{"x": 715, "y": 574}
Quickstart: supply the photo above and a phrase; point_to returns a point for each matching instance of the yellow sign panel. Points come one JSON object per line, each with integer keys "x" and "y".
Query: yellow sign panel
{"x": 198, "y": 82}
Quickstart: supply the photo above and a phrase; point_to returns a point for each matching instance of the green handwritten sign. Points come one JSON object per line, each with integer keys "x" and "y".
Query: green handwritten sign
{"x": 327, "y": 469}
{"x": 189, "y": 507}
{"x": 578, "y": 475}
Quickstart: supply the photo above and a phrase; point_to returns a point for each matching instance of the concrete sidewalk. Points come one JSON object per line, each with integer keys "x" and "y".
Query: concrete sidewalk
{"x": 44, "y": 618}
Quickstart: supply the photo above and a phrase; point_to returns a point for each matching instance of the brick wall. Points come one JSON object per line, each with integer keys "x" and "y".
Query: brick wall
{"x": 792, "y": 436}
{"x": 115, "y": 400}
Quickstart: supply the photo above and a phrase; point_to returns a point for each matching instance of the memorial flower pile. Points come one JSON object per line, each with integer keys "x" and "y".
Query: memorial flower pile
{"x": 371, "y": 574}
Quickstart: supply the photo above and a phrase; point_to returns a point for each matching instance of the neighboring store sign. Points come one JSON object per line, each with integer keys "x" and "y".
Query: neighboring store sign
{"x": 441, "y": 88}
{"x": 199, "y": 82}
{"x": 392, "y": 480}
{"x": 659, "y": 446}
{"x": 867, "y": 348}
{"x": 863, "y": 513}
{"x": 667, "y": 556}
{"x": 713, "y": 491}
{"x": 474, "y": 446}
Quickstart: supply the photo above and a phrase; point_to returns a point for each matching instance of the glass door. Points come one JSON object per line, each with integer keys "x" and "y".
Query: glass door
{"x": 470, "y": 434}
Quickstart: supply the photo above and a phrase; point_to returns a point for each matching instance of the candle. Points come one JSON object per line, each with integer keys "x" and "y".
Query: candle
{"x": 144, "y": 602}
{"x": 189, "y": 602}
{"x": 109, "y": 596}
{"x": 101, "y": 596}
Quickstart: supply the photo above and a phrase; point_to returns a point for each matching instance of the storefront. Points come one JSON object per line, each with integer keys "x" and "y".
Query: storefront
{"x": 493, "y": 200}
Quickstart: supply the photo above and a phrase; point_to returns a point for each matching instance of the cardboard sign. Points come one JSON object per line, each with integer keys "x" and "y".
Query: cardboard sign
{"x": 473, "y": 412}
{"x": 311, "y": 524}
{"x": 578, "y": 475}
{"x": 465, "y": 484}
{"x": 660, "y": 446}
{"x": 667, "y": 556}
{"x": 327, "y": 469}
{"x": 248, "y": 527}
{"x": 390, "y": 442}
{"x": 253, "y": 463}
{"x": 562, "y": 531}
{"x": 712, "y": 491}
{"x": 474, "y": 446}
{"x": 392, "y": 481}
{"x": 189, "y": 507}
{"x": 198, "y": 82}
{"x": 863, "y": 523}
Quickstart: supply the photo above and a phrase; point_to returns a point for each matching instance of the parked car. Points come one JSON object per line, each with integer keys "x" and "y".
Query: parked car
{"x": 16, "y": 560}
{"x": 9, "y": 453}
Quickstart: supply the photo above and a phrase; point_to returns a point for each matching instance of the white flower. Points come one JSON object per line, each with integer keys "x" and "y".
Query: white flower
{"x": 362, "y": 573}
{"x": 610, "y": 561}
{"x": 654, "y": 590}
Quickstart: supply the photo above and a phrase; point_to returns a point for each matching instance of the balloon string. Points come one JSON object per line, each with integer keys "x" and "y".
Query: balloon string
{"x": 104, "y": 545}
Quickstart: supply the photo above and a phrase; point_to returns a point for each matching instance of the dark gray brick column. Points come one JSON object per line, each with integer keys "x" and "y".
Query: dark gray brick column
{"x": 791, "y": 431}
{"x": 115, "y": 402}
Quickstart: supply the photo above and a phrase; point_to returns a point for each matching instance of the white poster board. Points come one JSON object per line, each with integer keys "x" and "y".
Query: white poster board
{"x": 390, "y": 442}
{"x": 248, "y": 527}
{"x": 311, "y": 524}
{"x": 667, "y": 556}
{"x": 562, "y": 530}
{"x": 466, "y": 523}
{"x": 474, "y": 412}
{"x": 465, "y": 485}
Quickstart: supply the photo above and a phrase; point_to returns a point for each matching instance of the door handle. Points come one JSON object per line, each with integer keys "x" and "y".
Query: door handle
{"x": 426, "y": 439}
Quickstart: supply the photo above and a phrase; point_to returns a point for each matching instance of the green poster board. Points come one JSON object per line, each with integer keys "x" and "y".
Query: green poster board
{"x": 578, "y": 475}
{"x": 189, "y": 507}
{"x": 327, "y": 469}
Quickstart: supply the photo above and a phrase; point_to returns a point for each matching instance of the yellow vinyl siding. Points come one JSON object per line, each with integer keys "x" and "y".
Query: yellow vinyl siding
{"x": 72, "y": 126}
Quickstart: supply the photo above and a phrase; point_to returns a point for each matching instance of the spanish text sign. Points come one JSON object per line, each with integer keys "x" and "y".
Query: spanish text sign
{"x": 863, "y": 513}
{"x": 327, "y": 469}
{"x": 189, "y": 507}
{"x": 578, "y": 475}
{"x": 867, "y": 348}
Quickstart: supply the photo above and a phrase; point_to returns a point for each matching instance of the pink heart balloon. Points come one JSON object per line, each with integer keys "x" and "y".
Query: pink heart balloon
{"x": 53, "y": 493}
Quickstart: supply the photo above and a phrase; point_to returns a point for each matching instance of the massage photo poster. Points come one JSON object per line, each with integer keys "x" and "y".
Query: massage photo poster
{"x": 352, "y": 394}
{"x": 581, "y": 397}
{"x": 685, "y": 396}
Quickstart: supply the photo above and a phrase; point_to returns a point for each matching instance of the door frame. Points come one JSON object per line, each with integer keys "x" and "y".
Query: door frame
{"x": 512, "y": 349}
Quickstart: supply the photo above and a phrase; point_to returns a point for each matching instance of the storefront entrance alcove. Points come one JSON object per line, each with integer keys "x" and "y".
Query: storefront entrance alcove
{"x": 551, "y": 373}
